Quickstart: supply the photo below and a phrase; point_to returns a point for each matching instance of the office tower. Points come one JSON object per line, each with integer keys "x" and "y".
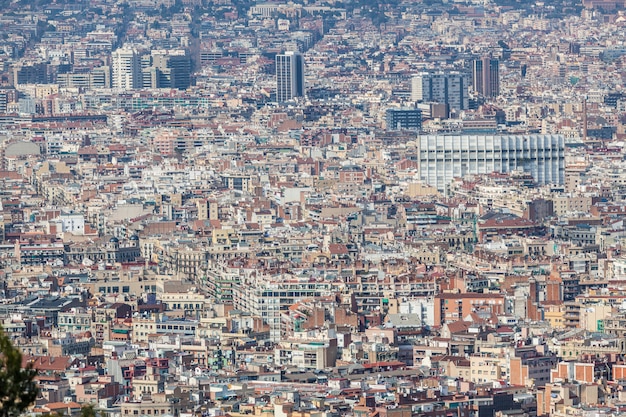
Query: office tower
{"x": 100, "y": 77}
{"x": 486, "y": 77}
{"x": 173, "y": 69}
{"x": 449, "y": 88}
{"x": 126, "y": 69}
{"x": 445, "y": 157}
{"x": 30, "y": 74}
{"x": 289, "y": 76}
{"x": 408, "y": 119}
{"x": 150, "y": 77}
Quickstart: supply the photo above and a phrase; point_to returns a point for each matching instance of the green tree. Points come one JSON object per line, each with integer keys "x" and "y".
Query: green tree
{"x": 18, "y": 388}
{"x": 88, "y": 411}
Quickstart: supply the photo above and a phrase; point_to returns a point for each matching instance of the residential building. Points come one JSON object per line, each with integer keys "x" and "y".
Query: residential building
{"x": 126, "y": 69}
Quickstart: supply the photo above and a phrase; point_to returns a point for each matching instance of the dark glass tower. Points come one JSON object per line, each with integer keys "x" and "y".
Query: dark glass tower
{"x": 486, "y": 77}
{"x": 289, "y": 76}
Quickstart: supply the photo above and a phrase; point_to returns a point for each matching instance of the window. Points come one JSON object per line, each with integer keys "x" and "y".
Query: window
{"x": 126, "y": 289}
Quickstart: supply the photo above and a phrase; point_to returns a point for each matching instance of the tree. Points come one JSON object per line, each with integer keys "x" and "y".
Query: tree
{"x": 88, "y": 411}
{"x": 18, "y": 389}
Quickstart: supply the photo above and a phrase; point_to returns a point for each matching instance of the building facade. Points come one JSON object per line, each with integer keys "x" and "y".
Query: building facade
{"x": 168, "y": 69}
{"x": 404, "y": 119}
{"x": 289, "y": 76}
{"x": 486, "y": 77}
{"x": 267, "y": 297}
{"x": 445, "y": 157}
{"x": 449, "y": 88}
{"x": 126, "y": 69}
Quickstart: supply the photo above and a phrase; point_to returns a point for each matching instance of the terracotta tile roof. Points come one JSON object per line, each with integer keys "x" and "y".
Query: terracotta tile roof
{"x": 48, "y": 363}
{"x": 337, "y": 249}
{"x": 459, "y": 326}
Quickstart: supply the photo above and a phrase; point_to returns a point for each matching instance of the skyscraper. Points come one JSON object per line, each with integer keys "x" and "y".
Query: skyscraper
{"x": 126, "y": 69}
{"x": 486, "y": 77}
{"x": 449, "y": 87}
{"x": 289, "y": 76}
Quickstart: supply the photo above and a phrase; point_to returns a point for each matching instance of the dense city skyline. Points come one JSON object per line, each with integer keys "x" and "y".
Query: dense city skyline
{"x": 314, "y": 208}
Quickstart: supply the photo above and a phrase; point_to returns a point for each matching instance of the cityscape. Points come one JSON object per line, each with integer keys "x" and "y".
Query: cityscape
{"x": 312, "y": 208}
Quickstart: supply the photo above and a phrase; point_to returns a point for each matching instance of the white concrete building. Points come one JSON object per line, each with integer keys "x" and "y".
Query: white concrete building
{"x": 445, "y": 157}
{"x": 126, "y": 69}
{"x": 268, "y": 296}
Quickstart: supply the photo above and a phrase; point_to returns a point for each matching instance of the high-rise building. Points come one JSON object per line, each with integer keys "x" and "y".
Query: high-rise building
{"x": 404, "y": 119}
{"x": 445, "y": 157}
{"x": 4, "y": 100}
{"x": 99, "y": 77}
{"x": 289, "y": 76}
{"x": 486, "y": 77}
{"x": 126, "y": 69}
{"x": 173, "y": 69}
{"x": 31, "y": 73}
{"x": 449, "y": 88}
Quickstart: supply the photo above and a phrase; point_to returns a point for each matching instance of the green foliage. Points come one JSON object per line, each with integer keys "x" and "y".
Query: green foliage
{"x": 18, "y": 389}
{"x": 88, "y": 411}
{"x": 59, "y": 413}
{"x": 169, "y": 12}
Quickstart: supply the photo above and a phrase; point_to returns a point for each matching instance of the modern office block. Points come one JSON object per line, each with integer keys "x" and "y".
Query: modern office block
{"x": 486, "y": 77}
{"x": 150, "y": 77}
{"x": 289, "y": 76}
{"x": 174, "y": 68}
{"x": 80, "y": 80}
{"x": 442, "y": 87}
{"x": 99, "y": 77}
{"x": 445, "y": 157}
{"x": 404, "y": 119}
{"x": 33, "y": 73}
{"x": 126, "y": 69}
